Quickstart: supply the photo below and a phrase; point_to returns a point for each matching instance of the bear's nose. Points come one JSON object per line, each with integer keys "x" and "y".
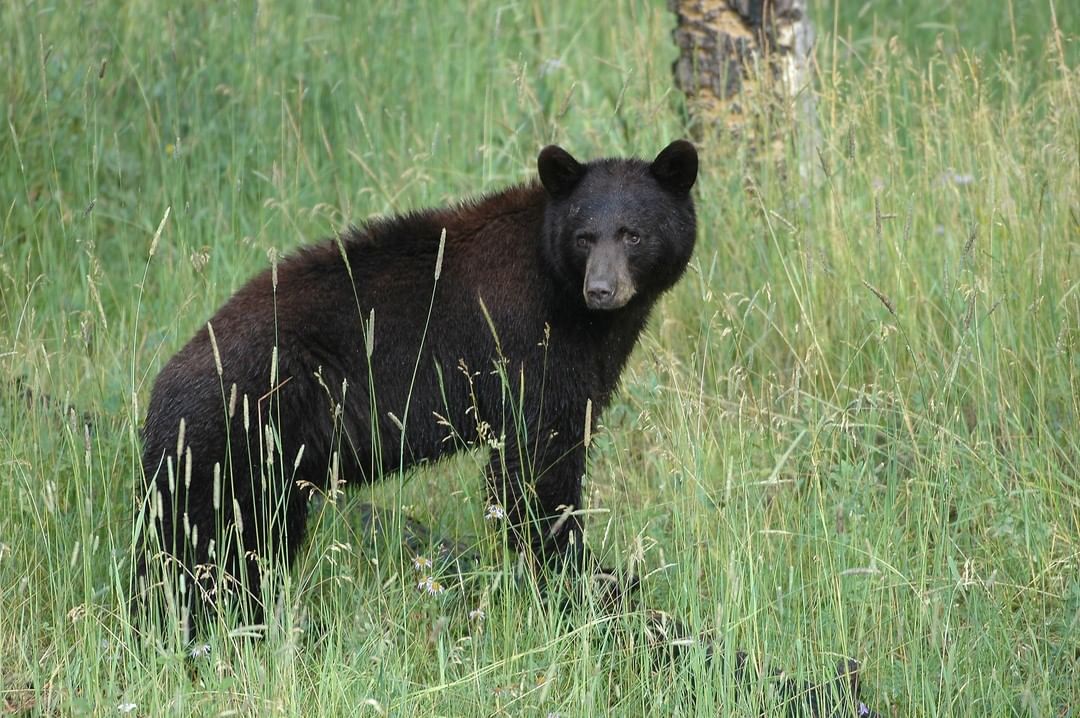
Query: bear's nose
{"x": 599, "y": 291}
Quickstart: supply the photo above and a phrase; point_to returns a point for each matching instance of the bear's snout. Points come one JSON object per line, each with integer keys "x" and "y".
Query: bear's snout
{"x": 608, "y": 284}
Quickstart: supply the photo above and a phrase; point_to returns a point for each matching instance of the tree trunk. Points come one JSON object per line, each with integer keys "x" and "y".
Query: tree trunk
{"x": 744, "y": 66}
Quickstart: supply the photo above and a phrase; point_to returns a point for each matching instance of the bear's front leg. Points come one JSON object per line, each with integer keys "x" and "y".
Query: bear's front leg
{"x": 535, "y": 485}
{"x": 538, "y": 493}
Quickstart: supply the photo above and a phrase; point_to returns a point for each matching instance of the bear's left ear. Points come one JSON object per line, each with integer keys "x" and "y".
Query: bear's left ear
{"x": 675, "y": 168}
{"x": 559, "y": 172}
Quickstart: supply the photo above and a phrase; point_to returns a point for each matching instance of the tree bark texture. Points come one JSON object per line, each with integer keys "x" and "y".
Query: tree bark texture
{"x": 744, "y": 65}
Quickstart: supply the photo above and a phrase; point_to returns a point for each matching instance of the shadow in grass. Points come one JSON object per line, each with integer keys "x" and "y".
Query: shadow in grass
{"x": 670, "y": 639}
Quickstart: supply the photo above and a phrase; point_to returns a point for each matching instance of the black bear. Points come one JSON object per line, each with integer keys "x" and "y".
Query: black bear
{"x": 503, "y": 321}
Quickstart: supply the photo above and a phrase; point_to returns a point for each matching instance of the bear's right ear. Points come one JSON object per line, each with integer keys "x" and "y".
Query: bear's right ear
{"x": 559, "y": 172}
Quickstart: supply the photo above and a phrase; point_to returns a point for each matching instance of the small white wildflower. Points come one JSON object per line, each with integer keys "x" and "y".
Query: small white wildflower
{"x": 477, "y": 614}
{"x": 200, "y": 651}
{"x": 430, "y": 585}
{"x": 494, "y": 513}
{"x": 420, "y": 563}
{"x": 550, "y": 66}
{"x": 961, "y": 179}
{"x": 126, "y": 707}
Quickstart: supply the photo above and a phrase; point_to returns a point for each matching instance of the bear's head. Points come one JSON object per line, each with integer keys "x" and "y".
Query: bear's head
{"x": 619, "y": 230}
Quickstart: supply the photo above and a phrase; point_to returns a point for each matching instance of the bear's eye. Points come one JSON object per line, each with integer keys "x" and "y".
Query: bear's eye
{"x": 631, "y": 238}
{"x": 583, "y": 239}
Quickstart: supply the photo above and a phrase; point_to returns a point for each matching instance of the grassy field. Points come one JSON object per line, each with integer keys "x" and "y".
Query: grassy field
{"x": 852, "y": 430}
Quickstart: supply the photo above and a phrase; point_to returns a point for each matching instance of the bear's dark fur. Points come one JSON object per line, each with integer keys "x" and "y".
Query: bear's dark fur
{"x": 497, "y": 321}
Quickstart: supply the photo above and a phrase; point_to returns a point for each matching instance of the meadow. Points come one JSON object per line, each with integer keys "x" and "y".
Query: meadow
{"x": 853, "y": 429}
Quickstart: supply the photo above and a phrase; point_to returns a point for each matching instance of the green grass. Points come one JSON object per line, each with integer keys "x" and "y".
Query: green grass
{"x": 852, "y": 430}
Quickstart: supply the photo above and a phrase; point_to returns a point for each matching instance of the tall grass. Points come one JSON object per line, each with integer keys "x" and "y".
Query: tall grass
{"x": 851, "y": 430}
